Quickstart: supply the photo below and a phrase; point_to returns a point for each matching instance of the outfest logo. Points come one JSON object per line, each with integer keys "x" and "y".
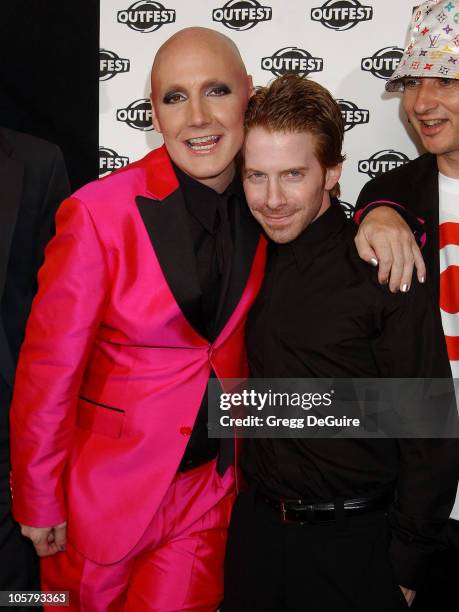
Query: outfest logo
{"x": 110, "y": 64}
{"x": 242, "y": 14}
{"x": 348, "y": 208}
{"x": 109, "y": 161}
{"x": 292, "y": 60}
{"x": 137, "y": 115}
{"x": 352, "y": 114}
{"x": 383, "y": 63}
{"x": 146, "y": 16}
{"x": 381, "y": 162}
{"x": 341, "y": 14}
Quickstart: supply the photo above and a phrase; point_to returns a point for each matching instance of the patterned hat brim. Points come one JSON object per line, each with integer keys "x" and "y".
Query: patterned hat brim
{"x": 446, "y": 67}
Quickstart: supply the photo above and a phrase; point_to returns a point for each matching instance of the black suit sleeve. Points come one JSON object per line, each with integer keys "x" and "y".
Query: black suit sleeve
{"x": 44, "y": 185}
{"x": 377, "y": 193}
{"x": 58, "y": 189}
{"x": 411, "y": 345}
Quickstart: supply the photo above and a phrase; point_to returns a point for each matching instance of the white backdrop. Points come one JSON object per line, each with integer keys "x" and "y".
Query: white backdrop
{"x": 346, "y": 45}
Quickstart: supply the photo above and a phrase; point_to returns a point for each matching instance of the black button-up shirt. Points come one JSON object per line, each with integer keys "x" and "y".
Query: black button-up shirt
{"x": 213, "y": 261}
{"x": 321, "y": 313}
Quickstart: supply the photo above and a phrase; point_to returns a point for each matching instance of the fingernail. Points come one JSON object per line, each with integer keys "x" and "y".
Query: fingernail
{"x": 384, "y": 281}
{"x": 422, "y": 279}
{"x": 404, "y": 288}
{"x": 374, "y": 261}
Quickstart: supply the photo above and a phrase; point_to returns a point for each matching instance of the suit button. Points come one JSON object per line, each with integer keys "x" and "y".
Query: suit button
{"x": 185, "y": 431}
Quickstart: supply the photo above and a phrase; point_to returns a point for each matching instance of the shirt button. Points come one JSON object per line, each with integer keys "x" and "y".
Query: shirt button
{"x": 185, "y": 431}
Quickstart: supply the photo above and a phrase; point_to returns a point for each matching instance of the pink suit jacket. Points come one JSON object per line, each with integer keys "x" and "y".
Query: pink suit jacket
{"x": 111, "y": 374}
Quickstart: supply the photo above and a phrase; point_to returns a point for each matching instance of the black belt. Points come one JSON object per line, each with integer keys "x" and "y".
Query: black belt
{"x": 300, "y": 511}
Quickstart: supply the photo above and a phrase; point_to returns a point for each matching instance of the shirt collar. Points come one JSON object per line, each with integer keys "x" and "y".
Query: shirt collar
{"x": 317, "y": 237}
{"x": 202, "y": 201}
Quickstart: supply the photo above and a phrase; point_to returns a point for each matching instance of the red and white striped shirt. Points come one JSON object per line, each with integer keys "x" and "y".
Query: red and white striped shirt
{"x": 449, "y": 274}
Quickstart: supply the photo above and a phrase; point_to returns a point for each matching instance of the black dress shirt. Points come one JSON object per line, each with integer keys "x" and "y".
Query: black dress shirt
{"x": 321, "y": 313}
{"x": 209, "y": 219}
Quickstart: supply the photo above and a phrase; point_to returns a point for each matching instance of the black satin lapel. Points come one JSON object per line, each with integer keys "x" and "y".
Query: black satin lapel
{"x": 166, "y": 224}
{"x": 246, "y": 237}
{"x": 425, "y": 188}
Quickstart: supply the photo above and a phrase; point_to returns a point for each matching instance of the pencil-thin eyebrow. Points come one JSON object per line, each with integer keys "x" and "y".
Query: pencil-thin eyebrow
{"x": 177, "y": 88}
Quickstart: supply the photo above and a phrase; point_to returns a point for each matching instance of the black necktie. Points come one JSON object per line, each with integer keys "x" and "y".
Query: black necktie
{"x": 224, "y": 242}
{"x": 224, "y": 251}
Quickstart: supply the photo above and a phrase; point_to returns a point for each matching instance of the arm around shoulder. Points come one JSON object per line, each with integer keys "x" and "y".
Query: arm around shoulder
{"x": 386, "y": 239}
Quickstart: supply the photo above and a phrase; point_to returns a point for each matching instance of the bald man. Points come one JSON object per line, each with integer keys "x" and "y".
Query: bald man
{"x": 143, "y": 296}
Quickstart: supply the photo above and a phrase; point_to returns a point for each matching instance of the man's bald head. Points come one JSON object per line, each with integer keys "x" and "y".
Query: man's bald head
{"x": 195, "y": 40}
{"x": 199, "y": 93}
